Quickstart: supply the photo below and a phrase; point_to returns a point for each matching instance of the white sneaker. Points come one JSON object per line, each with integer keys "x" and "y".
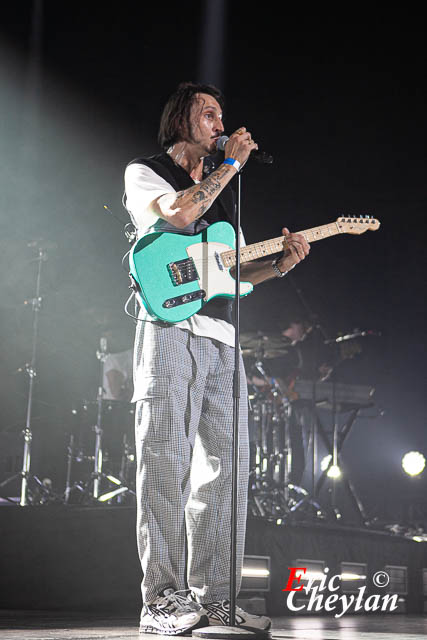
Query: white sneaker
{"x": 218, "y": 613}
{"x": 172, "y": 613}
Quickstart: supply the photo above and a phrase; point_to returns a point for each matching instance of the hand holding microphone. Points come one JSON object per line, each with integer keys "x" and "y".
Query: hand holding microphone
{"x": 240, "y": 146}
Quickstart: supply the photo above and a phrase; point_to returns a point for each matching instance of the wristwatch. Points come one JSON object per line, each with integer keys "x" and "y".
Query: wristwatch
{"x": 279, "y": 274}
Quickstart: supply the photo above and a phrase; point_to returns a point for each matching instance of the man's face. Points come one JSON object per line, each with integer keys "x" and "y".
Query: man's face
{"x": 205, "y": 123}
{"x": 295, "y": 332}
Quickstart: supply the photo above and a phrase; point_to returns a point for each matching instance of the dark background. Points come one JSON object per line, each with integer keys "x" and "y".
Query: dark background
{"x": 337, "y": 101}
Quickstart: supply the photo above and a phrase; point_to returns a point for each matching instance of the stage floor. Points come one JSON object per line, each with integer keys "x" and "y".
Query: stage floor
{"x": 31, "y": 625}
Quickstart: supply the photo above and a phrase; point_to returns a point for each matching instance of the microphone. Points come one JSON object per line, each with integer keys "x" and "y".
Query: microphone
{"x": 260, "y": 156}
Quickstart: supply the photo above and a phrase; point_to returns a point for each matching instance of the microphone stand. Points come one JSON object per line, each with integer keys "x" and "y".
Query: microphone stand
{"x": 236, "y": 408}
{"x": 30, "y": 368}
{"x": 99, "y": 432}
{"x": 232, "y": 630}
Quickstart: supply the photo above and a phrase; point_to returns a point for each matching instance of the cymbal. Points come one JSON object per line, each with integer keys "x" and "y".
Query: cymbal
{"x": 266, "y": 345}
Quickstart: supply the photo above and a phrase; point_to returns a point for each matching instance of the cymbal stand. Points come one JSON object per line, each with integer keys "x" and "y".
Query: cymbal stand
{"x": 270, "y": 491}
{"x": 70, "y": 458}
{"x": 287, "y": 462}
{"x": 92, "y": 488}
{"x": 126, "y": 462}
{"x": 101, "y": 354}
{"x": 262, "y": 451}
{"x": 119, "y": 488}
{"x": 30, "y": 368}
{"x": 256, "y": 488}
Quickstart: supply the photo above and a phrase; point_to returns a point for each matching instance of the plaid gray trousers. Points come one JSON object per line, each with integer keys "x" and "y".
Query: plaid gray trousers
{"x": 184, "y": 415}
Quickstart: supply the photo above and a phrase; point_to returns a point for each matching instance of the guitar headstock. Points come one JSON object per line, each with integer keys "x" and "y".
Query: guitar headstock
{"x": 352, "y": 224}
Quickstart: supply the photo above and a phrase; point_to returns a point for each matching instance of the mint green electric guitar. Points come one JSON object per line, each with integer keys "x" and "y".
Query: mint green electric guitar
{"x": 178, "y": 274}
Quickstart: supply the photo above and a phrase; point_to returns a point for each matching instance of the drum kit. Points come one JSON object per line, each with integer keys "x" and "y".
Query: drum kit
{"x": 101, "y": 449}
{"x": 272, "y": 493}
{"x": 101, "y": 458}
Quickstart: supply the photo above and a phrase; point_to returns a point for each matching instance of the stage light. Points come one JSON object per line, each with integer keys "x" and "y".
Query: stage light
{"x": 314, "y": 570}
{"x": 211, "y": 55}
{"x": 332, "y": 471}
{"x": 310, "y": 575}
{"x": 112, "y": 494}
{"x": 325, "y": 462}
{"x": 256, "y": 573}
{"x": 253, "y": 572}
{"x": 353, "y": 576}
{"x": 413, "y": 463}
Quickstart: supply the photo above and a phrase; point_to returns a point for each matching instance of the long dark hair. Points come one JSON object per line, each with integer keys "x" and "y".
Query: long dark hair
{"x": 175, "y": 120}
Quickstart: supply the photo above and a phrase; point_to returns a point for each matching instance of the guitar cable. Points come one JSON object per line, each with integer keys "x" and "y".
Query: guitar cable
{"x": 129, "y": 231}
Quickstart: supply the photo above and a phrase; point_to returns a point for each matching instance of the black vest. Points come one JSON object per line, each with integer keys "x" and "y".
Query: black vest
{"x": 223, "y": 208}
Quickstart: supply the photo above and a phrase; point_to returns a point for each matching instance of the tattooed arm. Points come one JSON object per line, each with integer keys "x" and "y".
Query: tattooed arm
{"x": 182, "y": 208}
{"x": 185, "y": 206}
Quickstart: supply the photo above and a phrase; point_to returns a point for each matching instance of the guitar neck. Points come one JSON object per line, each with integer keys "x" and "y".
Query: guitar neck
{"x": 276, "y": 245}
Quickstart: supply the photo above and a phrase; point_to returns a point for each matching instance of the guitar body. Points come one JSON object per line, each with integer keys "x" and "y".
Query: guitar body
{"x": 178, "y": 274}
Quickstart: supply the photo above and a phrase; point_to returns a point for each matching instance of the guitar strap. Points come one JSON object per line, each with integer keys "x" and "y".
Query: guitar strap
{"x": 223, "y": 208}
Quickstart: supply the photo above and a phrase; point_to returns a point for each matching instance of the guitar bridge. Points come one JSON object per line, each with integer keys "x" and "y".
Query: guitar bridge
{"x": 183, "y": 271}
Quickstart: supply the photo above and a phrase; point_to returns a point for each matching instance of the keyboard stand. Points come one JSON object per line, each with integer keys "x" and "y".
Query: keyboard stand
{"x": 343, "y": 432}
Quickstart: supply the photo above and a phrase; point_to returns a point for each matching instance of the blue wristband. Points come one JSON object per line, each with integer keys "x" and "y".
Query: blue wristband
{"x": 234, "y": 163}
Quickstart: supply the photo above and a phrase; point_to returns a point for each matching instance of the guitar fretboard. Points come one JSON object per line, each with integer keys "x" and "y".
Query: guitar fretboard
{"x": 276, "y": 245}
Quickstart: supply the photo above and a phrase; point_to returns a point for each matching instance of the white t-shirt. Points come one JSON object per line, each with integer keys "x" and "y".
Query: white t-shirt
{"x": 143, "y": 186}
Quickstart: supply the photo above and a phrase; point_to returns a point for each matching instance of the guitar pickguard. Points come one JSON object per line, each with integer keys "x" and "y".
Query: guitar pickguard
{"x": 214, "y": 277}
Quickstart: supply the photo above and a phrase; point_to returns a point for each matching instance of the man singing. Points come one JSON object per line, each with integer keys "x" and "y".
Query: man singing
{"x": 183, "y": 376}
